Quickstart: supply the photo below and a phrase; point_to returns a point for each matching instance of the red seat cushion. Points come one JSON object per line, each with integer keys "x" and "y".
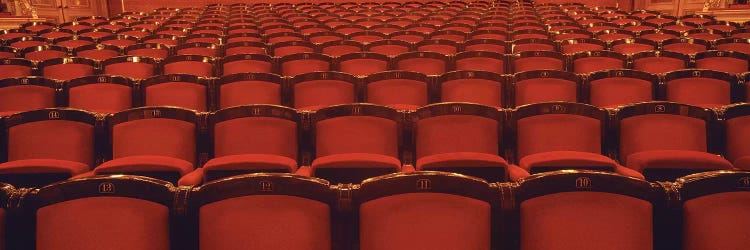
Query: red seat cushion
{"x": 356, "y": 160}
{"x": 566, "y": 159}
{"x": 145, "y": 163}
{"x": 251, "y": 161}
{"x": 742, "y": 163}
{"x": 460, "y": 159}
{"x": 677, "y": 159}
{"x": 31, "y": 166}
{"x": 516, "y": 173}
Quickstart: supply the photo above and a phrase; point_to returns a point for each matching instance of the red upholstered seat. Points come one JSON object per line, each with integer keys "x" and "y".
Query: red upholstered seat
{"x": 704, "y": 88}
{"x": 28, "y": 93}
{"x": 41, "y": 166}
{"x": 362, "y": 63}
{"x": 428, "y": 63}
{"x": 446, "y": 132}
{"x": 612, "y": 88}
{"x": 480, "y": 87}
{"x": 301, "y": 63}
{"x": 568, "y": 159}
{"x": 67, "y": 68}
{"x": 659, "y": 62}
{"x": 152, "y": 140}
{"x": 295, "y": 214}
{"x": 736, "y": 134}
{"x": 251, "y": 162}
{"x": 670, "y": 158}
{"x": 101, "y": 94}
{"x": 397, "y": 89}
{"x": 591, "y": 61}
{"x": 538, "y": 60}
{"x": 406, "y": 218}
{"x": 357, "y": 160}
{"x": 665, "y": 140}
{"x": 314, "y": 90}
{"x": 48, "y": 141}
{"x": 714, "y": 207}
{"x": 249, "y": 88}
{"x": 481, "y": 60}
{"x": 138, "y": 214}
{"x": 246, "y": 63}
{"x": 179, "y": 90}
{"x": 545, "y": 86}
{"x": 618, "y": 214}
{"x": 130, "y": 66}
{"x": 253, "y": 138}
{"x": 188, "y": 64}
{"x": 144, "y": 163}
{"x": 724, "y": 61}
{"x": 543, "y": 142}
{"x": 356, "y": 141}
{"x": 15, "y": 67}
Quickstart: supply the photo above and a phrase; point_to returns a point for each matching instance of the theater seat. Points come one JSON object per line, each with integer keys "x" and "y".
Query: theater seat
{"x": 460, "y": 137}
{"x": 666, "y": 140}
{"x": 152, "y": 141}
{"x": 137, "y": 214}
{"x": 586, "y": 210}
{"x": 410, "y": 211}
{"x": 714, "y": 203}
{"x": 253, "y": 138}
{"x": 48, "y": 145}
{"x": 356, "y": 141}
{"x": 265, "y": 211}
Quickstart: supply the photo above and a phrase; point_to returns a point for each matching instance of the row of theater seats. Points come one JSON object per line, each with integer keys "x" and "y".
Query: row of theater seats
{"x": 61, "y": 67}
{"x": 402, "y": 90}
{"x": 349, "y": 143}
{"x": 564, "y": 210}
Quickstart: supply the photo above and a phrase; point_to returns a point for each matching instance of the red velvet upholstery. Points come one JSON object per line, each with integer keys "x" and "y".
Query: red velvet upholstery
{"x": 53, "y": 139}
{"x": 246, "y": 66}
{"x": 591, "y": 64}
{"x": 249, "y": 92}
{"x": 135, "y": 70}
{"x": 427, "y": 66}
{"x": 189, "y": 67}
{"x": 356, "y": 141}
{"x": 312, "y": 95}
{"x": 181, "y": 94}
{"x": 257, "y": 142}
{"x": 389, "y": 50}
{"x": 616, "y": 91}
{"x": 725, "y": 64}
{"x": 537, "y": 63}
{"x": 714, "y": 221}
{"x": 666, "y": 141}
{"x": 490, "y": 64}
{"x": 37, "y": 166}
{"x": 67, "y": 71}
{"x": 661, "y": 132}
{"x": 545, "y": 141}
{"x": 580, "y": 47}
{"x": 586, "y": 221}
{"x": 11, "y": 71}
{"x": 739, "y": 47}
{"x": 265, "y": 222}
{"x": 658, "y": 65}
{"x": 424, "y": 221}
{"x": 481, "y": 91}
{"x": 340, "y": 49}
{"x": 288, "y": 50}
{"x": 357, "y": 134}
{"x": 78, "y": 224}
{"x": 154, "y": 53}
{"x": 518, "y": 48}
{"x": 632, "y": 48}
{"x": 684, "y": 159}
{"x": 545, "y": 90}
{"x": 704, "y": 92}
{"x": 296, "y": 67}
{"x": 443, "y": 141}
{"x": 444, "y": 49}
{"x": 403, "y": 93}
{"x": 97, "y": 54}
{"x": 737, "y": 150}
{"x": 25, "y": 97}
{"x": 684, "y": 48}
{"x": 155, "y": 137}
{"x": 101, "y": 97}
{"x": 44, "y": 55}
{"x": 363, "y": 67}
